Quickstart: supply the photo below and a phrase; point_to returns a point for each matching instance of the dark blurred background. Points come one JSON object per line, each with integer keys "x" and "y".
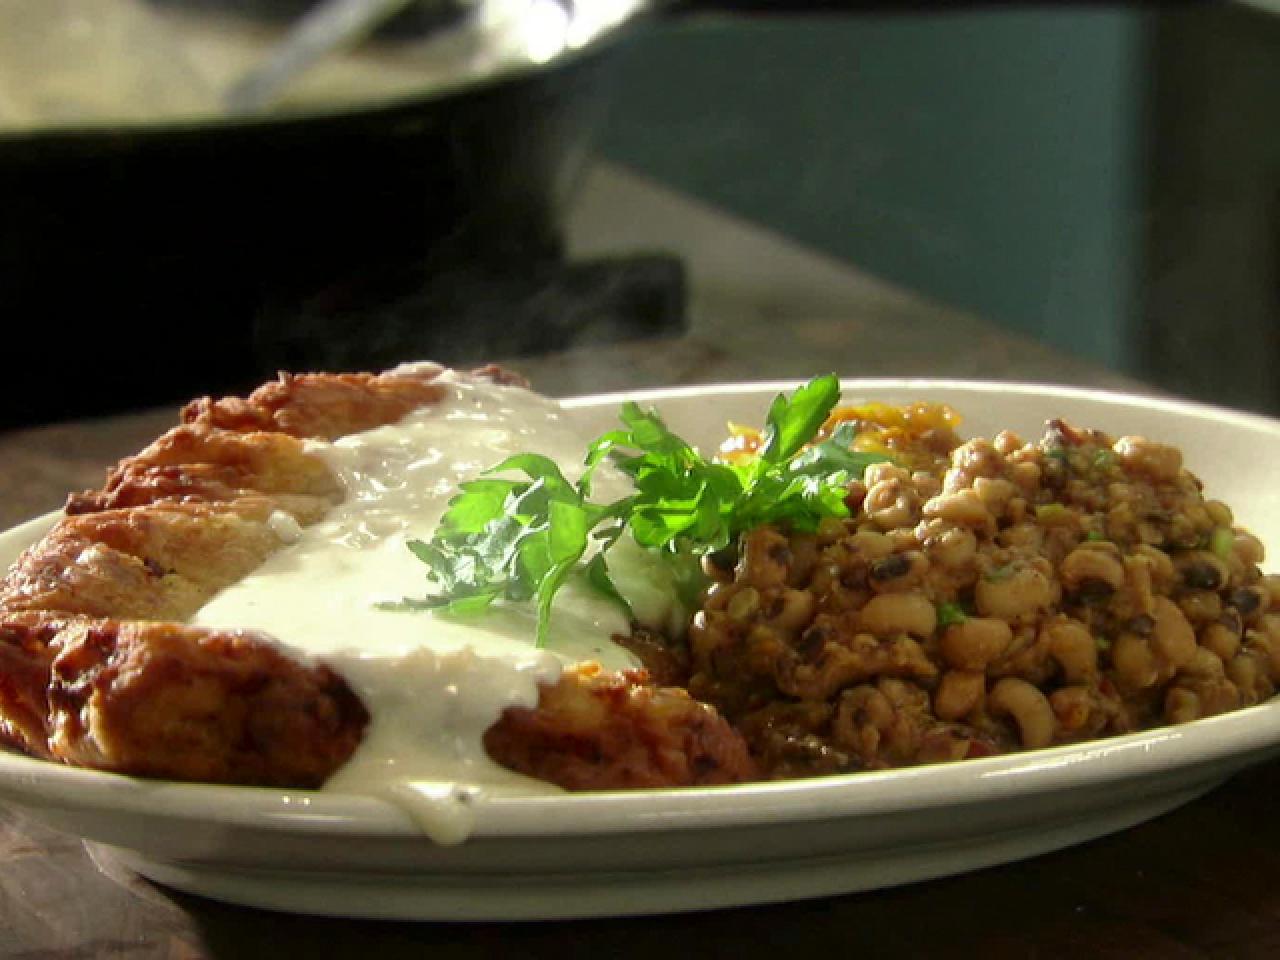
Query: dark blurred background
{"x": 1102, "y": 178}
{"x": 1105, "y": 179}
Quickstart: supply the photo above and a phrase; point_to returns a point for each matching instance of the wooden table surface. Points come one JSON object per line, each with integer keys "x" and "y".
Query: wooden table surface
{"x": 1203, "y": 881}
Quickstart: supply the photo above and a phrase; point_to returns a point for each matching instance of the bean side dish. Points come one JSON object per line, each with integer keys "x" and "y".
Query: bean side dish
{"x": 983, "y": 596}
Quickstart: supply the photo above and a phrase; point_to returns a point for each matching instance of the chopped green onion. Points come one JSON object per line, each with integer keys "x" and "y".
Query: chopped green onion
{"x": 950, "y": 614}
{"x": 1221, "y": 542}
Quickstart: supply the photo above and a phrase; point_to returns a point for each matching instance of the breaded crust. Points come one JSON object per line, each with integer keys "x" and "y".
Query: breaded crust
{"x": 165, "y": 700}
{"x": 325, "y": 406}
{"x": 96, "y": 670}
{"x": 612, "y": 731}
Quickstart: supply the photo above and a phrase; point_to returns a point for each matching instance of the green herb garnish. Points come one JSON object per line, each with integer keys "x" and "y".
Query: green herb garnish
{"x": 519, "y": 540}
{"x": 950, "y": 614}
{"x": 1221, "y": 542}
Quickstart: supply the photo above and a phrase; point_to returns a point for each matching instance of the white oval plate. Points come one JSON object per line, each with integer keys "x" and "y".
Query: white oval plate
{"x": 675, "y": 850}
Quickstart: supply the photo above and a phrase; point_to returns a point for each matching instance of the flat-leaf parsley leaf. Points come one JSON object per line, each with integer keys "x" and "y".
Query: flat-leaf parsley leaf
{"x": 520, "y": 539}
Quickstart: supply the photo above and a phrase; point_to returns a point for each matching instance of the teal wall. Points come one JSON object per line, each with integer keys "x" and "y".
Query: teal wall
{"x": 989, "y": 160}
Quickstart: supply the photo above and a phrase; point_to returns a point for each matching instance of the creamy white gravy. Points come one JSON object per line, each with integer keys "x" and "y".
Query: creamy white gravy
{"x": 432, "y": 684}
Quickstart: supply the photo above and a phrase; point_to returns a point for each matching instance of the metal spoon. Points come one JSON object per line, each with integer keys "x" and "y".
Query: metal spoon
{"x": 331, "y": 26}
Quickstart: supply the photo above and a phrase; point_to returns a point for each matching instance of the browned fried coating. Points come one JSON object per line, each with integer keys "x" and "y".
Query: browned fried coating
{"x": 164, "y": 700}
{"x": 192, "y": 513}
{"x": 200, "y": 462}
{"x": 26, "y": 659}
{"x": 160, "y": 562}
{"x": 327, "y": 405}
{"x": 610, "y": 731}
{"x": 92, "y": 675}
{"x": 89, "y": 672}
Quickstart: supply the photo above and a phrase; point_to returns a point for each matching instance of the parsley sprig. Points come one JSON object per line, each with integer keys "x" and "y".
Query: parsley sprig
{"x": 520, "y": 539}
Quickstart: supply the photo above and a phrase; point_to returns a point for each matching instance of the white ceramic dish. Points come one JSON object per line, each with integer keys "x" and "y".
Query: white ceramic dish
{"x": 661, "y": 851}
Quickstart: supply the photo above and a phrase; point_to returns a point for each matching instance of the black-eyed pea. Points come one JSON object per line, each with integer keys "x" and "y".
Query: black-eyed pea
{"x": 1158, "y": 461}
{"x": 743, "y": 605}
{"x": 978, "y": 457}
{"x": 893, "y": 613}
{"x": 994, "y": 492}
{"x": 1137, "y": 578}
{"x": 1018, "y": 598}
{"x": 1028, "y": 707}
{"x": 959, "y": 693}
{"x": 1201, "y": 570}
{"x": 1150, "y": 533}
{"x": 1027, "y": 536}
{"x": 1161, "y": 567}
{"x": 789, "y": 610}
{"x": 1181, "y": 530}
{"x": 1196, "y": 516}
{"x": 962, "y": 507}
{"x": 1181, "y": 705}
{"x": 1251, "y": 603}
{"x": 975, "y": 642}
{"x": 862, "y": 712}
{"x": 891, "y": 504}
{"x": 1073, "y": 647}
{"x": 903, "y": 539}
{"x": 1134, "y": 663}
{"x": 1221, "y": 640}
{"x": 1172, "y": 636}
{"x": 1248, "y": 675}
{"x": 871, "y": 544}
{"x": 1200, "y": 606}
{"x": 898, "y": 572}
{"x": 954, "y": 548}
{"x": 1248, "y": 548}
{"x": 1205, "y": 666}
{"x": 883, "y": 472}
{"x": 1086, "y": 565}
